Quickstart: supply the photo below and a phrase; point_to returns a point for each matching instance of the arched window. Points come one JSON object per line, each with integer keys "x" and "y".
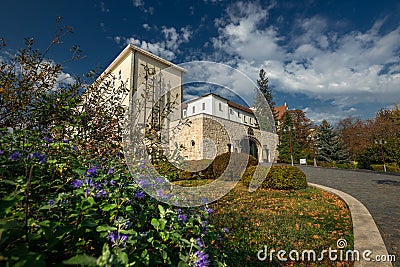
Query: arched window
{"x": 192, "y": 143}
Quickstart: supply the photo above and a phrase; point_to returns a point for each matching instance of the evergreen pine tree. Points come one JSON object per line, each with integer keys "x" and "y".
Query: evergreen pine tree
{"x": 287, "y": 136}
{"x": 262, "y": 84}
{"x": 264, "y": 94}
{"x": 329, "y": 146}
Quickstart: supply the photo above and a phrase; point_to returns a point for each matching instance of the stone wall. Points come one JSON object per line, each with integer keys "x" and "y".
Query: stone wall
{"x": 209, "y": 136}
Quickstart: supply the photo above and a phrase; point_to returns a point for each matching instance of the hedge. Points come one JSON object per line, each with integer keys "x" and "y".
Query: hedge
{"x": 278, "y": 177}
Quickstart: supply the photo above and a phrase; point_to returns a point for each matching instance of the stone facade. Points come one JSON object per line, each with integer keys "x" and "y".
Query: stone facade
{"x": 208, "y": 136}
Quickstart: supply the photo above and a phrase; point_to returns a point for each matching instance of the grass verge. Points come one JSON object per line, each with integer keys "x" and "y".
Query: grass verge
{"x": 307, "y": 219}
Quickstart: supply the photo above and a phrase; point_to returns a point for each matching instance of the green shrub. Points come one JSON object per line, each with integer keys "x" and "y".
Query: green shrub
{"x": 213, "y": 170}
{"x": 172, "y": 173}
{"x": 390, "y": 167}
{"x": 248, "y": 175}
{"x": 169, "y": 171}
{"x": 221, "y": 162}
{"x": 278, "y": 177}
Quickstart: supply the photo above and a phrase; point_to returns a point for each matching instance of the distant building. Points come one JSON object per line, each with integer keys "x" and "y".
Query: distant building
{"x": 219, "y": 125}
{"x": 280, "y": 113}
{"x": 136, "y": 68}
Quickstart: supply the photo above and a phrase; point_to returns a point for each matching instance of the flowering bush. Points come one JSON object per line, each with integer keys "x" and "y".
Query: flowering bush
{"x": 66, "y": 195}
{"x": 58, "y": 207}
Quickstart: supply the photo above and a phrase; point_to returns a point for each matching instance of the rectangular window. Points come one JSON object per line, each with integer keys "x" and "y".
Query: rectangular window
{"x": 193, "y": 109}
{"x": 220, "y": 106}
{"x": 184, "y": 113}
{"x": 204, "y": 106}
{"x": 231, "y": 112}
{"x": 238, "y": 114}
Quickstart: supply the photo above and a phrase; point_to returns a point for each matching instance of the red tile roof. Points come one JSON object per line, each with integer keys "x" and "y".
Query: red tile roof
{"x": 280, "y": 112}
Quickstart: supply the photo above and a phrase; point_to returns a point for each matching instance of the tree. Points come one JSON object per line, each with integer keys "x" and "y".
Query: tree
{"x": 329, "y": 146}
{"x": 288, "y": 139}
{"x": 303, "y": 126}
{"x": 262, "y": 83}
{"x": 356, "y": 136}
{"x": 264, "y": 93}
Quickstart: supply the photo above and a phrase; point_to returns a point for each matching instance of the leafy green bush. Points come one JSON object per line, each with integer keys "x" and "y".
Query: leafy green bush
{"x": 390, "y": 167}
{"x": 278, "y": 177}
{"x": 221, "y": 162}
{"x": 169, "y": 171}
{"x": 248, "y": 175}
{"x": 213, "y": 170}
{"x": 172, "y": 173}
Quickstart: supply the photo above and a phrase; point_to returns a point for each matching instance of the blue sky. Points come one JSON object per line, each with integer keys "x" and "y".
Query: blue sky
{"x": 332, "y": 59}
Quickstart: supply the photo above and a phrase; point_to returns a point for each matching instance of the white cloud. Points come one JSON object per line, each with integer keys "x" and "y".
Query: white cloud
{"x": 65, "y": 78}
{"x": 140, "y": 4}
{"x": 117, "y": 39}
{"x": 168, "y": 48}
{"x": 316, "y": 59}
{"x": 146, "y": 27}
{"x": 158, "y": 48}
{"x": 239, "y": 33}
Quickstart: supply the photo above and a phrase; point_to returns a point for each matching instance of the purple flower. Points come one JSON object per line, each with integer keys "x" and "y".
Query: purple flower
{"x": 91, "y": 172}
{"x": 15, "y": 156}
{"x": 87, "y": 191}
{"x": 112, "y": 182}
{"x": 48, "y": 139}
{"x": 202, "y": 259}
{"x": 101, "y": 193}
{"x": 160, "y": 180}
{"x": 226, "y": 230}
{"x": 200, "y": 243}
{"x": 77, "y": 183}
{"x": 110, "y": 171}
{"x": 89, "y": 182}
{"x": 65, "y": 140}
{"x": 39, "y": 156}
{"x": 1, "y": 152}
{"x": 139, "y": 195}
{"x": 124, "y": 238}
{"x": 204, "y": 226}
{"x": 210, "y": 210}
{"x": 50, "y": 202}
{"x": 143, "y": 183}
{"x": 113, "y": 236}
{"x": 116, "y": 239}
{"x": 182, "y": 217}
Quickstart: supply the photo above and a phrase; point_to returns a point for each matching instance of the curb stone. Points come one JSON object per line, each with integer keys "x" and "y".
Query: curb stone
{"x": 366, "y": 233}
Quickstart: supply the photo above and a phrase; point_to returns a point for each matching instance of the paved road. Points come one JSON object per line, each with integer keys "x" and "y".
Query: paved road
{"x": 380, "y": 193}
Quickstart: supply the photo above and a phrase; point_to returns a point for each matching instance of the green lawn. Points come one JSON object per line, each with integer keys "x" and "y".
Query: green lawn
{"x": 308, "y": 219}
